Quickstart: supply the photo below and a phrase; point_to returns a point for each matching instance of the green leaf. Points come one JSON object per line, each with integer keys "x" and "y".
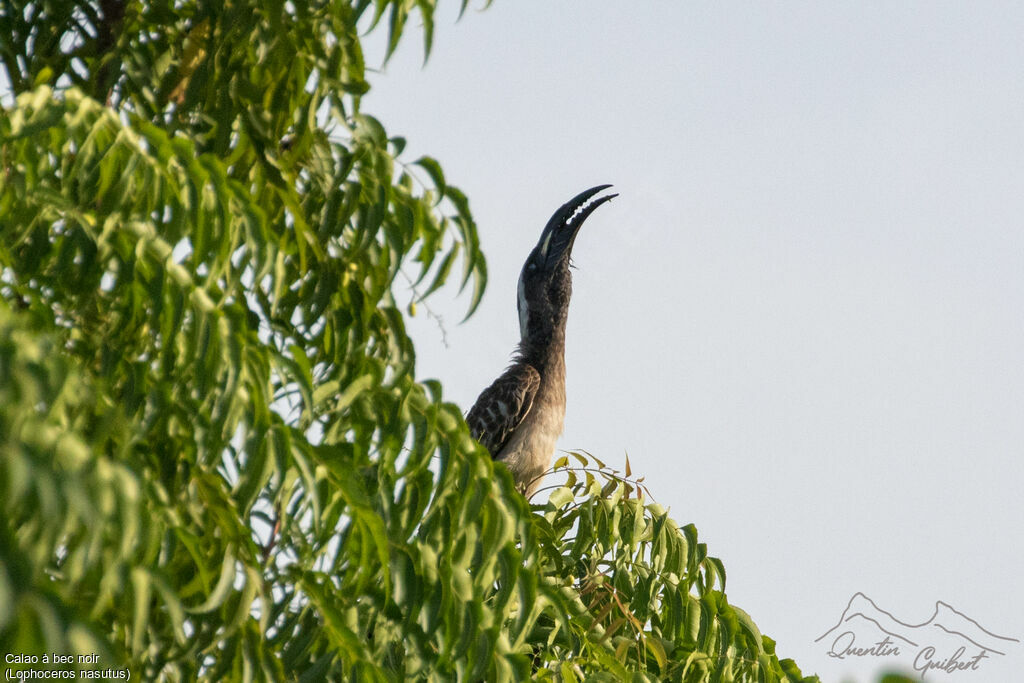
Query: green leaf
{"x": 559, "y": 497}
{"x": 433, "y": 169}
{"x": 655, "y": 648}
{"x": 141, "y": 596}
{"x": 442, "y": 272}
{"x": 220, "y": 591}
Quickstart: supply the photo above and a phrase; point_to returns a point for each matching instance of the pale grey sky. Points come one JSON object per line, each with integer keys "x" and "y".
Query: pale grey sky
{"x": 803, "y": 317}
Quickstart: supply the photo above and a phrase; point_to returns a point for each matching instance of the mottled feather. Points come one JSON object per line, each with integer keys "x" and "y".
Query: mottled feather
{"x": 503, "y": 406}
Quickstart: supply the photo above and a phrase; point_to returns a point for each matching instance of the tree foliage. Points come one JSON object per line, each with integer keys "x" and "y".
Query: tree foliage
{"x": 216, "y": 460}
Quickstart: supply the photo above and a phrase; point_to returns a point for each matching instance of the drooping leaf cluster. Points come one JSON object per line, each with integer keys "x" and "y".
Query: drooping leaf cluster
{"x": 648, "y": 596}
{"x": 216, "y": 460}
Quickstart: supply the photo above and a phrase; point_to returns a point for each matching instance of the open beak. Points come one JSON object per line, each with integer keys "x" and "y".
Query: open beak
{"x": 560, "y": 232}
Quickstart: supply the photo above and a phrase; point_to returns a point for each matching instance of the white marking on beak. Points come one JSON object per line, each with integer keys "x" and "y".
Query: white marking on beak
{"x": 546, "y": 243}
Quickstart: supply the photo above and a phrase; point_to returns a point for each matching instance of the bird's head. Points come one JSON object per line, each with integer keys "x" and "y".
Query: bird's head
{"x": 545, "y": 283}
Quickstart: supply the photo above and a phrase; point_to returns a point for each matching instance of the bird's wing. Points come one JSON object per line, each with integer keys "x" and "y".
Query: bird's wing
{"x": 502, "y": 406}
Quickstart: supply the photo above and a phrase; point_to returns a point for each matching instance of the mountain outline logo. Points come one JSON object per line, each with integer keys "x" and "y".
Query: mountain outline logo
{"x": 948, "y": 641}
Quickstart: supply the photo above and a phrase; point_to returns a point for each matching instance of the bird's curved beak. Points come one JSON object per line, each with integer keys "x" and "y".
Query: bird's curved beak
{"x": 559, "y": 234}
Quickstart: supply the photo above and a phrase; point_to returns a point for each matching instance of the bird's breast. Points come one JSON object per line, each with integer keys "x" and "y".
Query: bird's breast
{"x": 528, "y": 451}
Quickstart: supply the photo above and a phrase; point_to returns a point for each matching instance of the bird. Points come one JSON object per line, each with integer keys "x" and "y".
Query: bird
{"x": 520, "y": 416}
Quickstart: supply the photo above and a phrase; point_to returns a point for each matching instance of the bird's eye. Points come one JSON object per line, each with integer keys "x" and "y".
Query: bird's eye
{"x": 532, "y": 266}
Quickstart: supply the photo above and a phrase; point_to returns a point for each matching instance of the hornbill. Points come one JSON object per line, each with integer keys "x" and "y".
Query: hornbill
{"x": 520, "y": 416}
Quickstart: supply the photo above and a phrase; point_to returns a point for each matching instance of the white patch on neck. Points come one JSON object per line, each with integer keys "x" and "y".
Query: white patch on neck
{"x": 524, "y": 314}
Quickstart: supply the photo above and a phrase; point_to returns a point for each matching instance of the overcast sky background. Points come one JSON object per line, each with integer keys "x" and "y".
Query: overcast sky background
{"x": 803, "y": 317}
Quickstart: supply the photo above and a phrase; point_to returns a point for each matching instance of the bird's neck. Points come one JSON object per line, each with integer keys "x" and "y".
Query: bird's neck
{"x": 545, "y": 350}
